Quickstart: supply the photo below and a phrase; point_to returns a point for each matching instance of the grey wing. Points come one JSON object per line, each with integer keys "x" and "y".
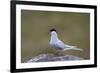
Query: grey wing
{"x": 62, "y": 45}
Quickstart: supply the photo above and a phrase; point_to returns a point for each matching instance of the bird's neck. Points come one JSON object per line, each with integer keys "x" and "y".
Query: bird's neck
{"x": 54, "y": 36}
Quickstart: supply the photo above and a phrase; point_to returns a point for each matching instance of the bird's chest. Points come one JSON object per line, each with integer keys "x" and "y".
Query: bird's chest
{"x": 54, "y": 44}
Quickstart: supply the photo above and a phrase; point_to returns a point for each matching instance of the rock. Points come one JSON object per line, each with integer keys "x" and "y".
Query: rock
{"x": 51, "y": 57}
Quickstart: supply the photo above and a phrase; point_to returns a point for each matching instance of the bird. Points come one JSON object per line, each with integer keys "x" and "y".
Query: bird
{"x": 59, "y": 45}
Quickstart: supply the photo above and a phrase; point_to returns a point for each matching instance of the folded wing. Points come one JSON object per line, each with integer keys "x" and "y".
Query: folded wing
{"x": 64, "y": 46}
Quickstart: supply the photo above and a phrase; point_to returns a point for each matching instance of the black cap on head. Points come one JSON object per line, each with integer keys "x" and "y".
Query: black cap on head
{"x": 52, "y": 30}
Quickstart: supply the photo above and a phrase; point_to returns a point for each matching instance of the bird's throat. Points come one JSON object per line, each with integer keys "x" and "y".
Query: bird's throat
{"x": 54, "y": 37}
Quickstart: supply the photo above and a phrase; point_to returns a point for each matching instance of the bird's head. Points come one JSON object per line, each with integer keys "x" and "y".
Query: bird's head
{"x": 52, "y": 30}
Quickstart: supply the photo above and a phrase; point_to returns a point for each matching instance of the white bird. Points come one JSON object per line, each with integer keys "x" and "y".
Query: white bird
{"x": 56, "y": 43}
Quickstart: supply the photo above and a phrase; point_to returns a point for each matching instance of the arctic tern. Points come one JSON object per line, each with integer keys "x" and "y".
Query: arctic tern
{"x": 56, "y": 43}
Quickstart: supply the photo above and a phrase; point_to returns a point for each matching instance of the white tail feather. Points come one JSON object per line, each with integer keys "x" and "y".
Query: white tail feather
{"x": 72, "y": 48}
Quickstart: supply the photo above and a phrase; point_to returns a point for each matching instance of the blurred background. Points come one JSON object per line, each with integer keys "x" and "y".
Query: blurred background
{"x": 72, "y": 28}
